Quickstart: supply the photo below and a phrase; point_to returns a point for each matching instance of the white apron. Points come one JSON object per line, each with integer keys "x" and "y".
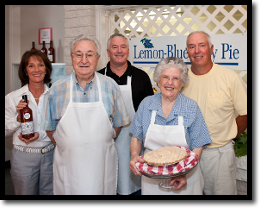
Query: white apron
{"x": 85, "y": 157}
{"x": 160, "y": 136}
{"x": 127, "y": 182}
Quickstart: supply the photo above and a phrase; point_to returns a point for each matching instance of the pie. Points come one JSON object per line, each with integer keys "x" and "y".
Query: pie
{"x": 165, "y": 155}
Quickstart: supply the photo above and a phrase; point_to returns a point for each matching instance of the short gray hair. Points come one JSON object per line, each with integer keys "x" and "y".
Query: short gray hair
{"x": 116, "y": 35}
{"x": 170, "y": 62}
{"x": 208, "y": 36}
{"x": 85, "y": 37}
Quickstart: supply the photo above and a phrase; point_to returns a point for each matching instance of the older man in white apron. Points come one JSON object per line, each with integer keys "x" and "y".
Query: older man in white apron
{"x": 85, "y": 157}
{"x": 135, "y": 85}
{"x": 79, "y": 165}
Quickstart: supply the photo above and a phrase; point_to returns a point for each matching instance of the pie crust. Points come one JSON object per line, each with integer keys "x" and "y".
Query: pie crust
{"x": 165, "y": 155}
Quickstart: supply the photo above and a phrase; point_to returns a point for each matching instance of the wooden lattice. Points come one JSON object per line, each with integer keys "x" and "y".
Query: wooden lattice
{"x": 174, "y": 20}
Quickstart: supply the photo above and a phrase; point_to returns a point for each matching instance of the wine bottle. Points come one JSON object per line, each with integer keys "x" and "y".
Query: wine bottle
{"x": 44, "y": 50}
{"x": 51, "y": 53}
{"x": 33, "y": 46}
{"x": 26, "y": 120}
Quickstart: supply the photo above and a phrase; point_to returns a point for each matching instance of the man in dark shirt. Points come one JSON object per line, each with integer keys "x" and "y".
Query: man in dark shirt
{"x": 141, "y": 83}
{"x": 135, "y": 85}
{"x": 121, "y": 68}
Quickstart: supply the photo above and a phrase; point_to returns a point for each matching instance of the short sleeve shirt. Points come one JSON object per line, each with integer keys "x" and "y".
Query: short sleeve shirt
{"x": 220, "y": 94}
{"x": 196, "y": 132}
{"x": 111, "y": 96}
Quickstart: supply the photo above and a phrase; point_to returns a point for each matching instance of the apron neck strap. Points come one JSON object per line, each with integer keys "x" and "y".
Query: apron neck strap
{"x": 129, "y": 79}
{"x": 99, "y": 87}
{"x": 153, "y": 116}
{"x": 180, "y": 120}
{"x": 71, "y": 86}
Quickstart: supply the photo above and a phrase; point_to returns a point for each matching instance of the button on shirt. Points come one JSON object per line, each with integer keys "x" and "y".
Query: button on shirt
{"x": 39, "y": 112}
{"x": 196, "y": 132}
{"x": 111, "y": 97}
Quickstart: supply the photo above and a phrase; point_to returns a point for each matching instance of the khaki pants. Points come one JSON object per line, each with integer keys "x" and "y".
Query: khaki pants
{"x": 218, "y": 167}
{"x": 32, "y": 172}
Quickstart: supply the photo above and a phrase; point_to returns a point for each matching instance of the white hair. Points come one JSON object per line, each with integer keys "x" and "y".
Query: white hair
{"x": 208, "y": 37}
{"x": 85, "y": 37}
{"x": 170, "y": 62}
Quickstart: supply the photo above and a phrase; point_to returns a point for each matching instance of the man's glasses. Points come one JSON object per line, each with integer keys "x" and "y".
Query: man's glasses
{"x": 79, "y": 55}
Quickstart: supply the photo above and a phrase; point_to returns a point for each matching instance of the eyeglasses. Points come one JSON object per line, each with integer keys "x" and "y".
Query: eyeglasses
{"x": 79, "y": 55}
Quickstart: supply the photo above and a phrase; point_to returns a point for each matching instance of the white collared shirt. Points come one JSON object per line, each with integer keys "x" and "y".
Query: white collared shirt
{"x": 14, "y": 127}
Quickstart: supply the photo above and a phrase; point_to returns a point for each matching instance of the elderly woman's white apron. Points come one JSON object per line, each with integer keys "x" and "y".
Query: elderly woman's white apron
{"x": 85, "y": 157}
{"x": 161, "y": 136}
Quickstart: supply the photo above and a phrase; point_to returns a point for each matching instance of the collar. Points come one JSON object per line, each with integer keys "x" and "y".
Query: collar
{"x": 128, "y": 71}
{"x": 77, "y": 83}
{"x": 25, "y": 90}
{"x": 176, "y": 110}
{"x": 204, "y": 75}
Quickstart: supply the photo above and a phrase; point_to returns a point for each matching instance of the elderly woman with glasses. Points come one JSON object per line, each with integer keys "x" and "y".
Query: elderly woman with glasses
{"x": 169, "y": 119}
{"x": 85, "y": 112}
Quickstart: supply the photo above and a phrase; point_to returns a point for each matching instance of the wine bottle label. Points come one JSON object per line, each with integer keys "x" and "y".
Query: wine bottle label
{"x": 50, "y": 57}
{"x": 27, "y": 128}
{"x": 27, "y": 116}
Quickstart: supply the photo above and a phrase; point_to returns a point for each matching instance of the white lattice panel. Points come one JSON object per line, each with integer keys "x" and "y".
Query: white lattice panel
{"x": 174, "y": 20}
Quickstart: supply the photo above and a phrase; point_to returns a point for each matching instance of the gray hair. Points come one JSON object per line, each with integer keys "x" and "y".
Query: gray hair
{"x": 85, "y": 37}
{"x": 170, "y": 62}
{"x": 208, "y": 36}
{"x": 116, "y": 35}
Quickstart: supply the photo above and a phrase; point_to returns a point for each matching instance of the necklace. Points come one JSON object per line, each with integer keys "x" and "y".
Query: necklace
{"x": 35, "y": 94}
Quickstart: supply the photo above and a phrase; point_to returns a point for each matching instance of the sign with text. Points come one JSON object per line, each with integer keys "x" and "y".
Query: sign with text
{"x": 45, "y": 34}
{"x": 230, "y": 50}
